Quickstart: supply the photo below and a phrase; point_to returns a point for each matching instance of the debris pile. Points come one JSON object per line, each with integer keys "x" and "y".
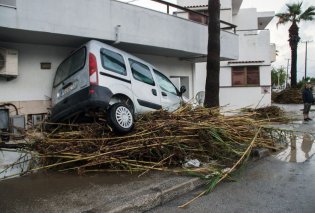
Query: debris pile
{"x": 288, "y": 96}
{"x": 270, "y": 113}
{"x": 160, "y": 141}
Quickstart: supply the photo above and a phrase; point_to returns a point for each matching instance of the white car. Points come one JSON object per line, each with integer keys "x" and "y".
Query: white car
{"x": 98, "y": 76}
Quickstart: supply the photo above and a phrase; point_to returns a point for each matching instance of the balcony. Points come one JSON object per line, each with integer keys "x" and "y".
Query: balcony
{"x": 129, "y": 27}
{"x": 255, "y": 46}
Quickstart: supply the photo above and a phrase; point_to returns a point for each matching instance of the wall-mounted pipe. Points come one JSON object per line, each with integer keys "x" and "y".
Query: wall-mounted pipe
{"x": 9, "y": 104}
{"x": 117, "y": 34}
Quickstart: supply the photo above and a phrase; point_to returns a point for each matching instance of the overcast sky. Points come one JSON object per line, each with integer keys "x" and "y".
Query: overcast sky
{"x": 279, "y": 35}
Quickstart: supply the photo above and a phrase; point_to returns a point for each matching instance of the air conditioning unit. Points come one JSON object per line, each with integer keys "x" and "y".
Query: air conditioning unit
{"x": 8, "y": 62}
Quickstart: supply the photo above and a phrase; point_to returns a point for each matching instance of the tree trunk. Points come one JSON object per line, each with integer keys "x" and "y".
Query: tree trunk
{"x": 294, "y": 40}
{"x": 213, "y": 59}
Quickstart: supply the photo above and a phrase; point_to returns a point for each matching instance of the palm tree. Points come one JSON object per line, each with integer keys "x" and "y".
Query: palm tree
{"x": 295, "y": 14}
{"x": 213, "y": 59}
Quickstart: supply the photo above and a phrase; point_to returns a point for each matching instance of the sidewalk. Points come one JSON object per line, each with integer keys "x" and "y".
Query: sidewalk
{"x": 295, "y": 111}
{"x": 92, "y": 193}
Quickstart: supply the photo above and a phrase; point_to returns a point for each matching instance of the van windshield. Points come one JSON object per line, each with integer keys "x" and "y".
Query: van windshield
{"x": 70, "y": 66}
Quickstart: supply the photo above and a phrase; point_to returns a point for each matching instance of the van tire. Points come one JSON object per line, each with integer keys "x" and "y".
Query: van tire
{"x": 120, "y": 118}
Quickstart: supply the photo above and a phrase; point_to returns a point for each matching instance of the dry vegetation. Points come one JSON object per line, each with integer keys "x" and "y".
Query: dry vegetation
{"x": 161, "y": 141}
{"x": 270, "y": 113}
{"x": 288, "y": 96}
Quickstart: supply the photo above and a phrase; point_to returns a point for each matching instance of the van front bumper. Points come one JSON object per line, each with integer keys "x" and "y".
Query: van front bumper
{"x": 89, "y": 98}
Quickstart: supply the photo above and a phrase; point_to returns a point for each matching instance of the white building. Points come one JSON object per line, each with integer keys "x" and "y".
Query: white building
{"x": 36, "y": 35}
{"x": 245, "y": 82}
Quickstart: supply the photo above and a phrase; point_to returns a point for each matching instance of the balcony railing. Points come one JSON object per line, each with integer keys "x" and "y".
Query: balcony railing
{"x": 227, "y": 25}
{"x": 8, "y": 3}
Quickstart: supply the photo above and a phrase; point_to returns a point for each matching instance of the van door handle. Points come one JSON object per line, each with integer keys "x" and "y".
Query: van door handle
{"x": 67, "y": 85}
{"x": 154, "y": 92}
{"x": 164, "y": 94}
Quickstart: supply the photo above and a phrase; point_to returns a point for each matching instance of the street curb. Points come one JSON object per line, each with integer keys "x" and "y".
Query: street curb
{"x": 147, "y": 199}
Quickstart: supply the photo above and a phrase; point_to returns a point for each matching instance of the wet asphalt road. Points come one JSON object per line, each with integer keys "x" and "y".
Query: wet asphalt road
{"x": 268, "y": 185}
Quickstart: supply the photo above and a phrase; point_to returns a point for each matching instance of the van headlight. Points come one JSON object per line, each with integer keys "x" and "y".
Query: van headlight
{"x": 58, "y": 94}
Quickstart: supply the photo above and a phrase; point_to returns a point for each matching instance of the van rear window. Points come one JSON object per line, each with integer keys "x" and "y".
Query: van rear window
{"x": 70, "y": 66}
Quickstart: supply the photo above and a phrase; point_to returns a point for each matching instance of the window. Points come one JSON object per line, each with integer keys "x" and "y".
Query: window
{"x": 113, "y": 62}
{"x": 164, "y": 83}
{"x": 141, "y": 72}
{"x": 245, "y": 76}
{"x": 70, "y": 66}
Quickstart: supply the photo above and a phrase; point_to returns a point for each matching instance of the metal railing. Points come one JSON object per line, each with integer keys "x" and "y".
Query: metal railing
{"x": 168, "y": 5}
{"x": 8, "y": 3}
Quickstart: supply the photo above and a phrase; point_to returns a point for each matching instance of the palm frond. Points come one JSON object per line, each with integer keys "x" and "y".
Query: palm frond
{"x": 295, "y": 9}
{"x": 283, "y": 18}
{"x": 308, "y": 14}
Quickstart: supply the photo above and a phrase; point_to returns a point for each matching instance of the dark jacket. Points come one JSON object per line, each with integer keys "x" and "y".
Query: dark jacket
{"x": 308, "y": 96}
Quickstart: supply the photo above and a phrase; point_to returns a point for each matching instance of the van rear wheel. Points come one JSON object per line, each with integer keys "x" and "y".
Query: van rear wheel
{"x": 120, "y": 118}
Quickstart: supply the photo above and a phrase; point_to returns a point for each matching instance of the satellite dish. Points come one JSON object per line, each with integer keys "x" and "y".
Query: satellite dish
{"x": 200, "y": 98}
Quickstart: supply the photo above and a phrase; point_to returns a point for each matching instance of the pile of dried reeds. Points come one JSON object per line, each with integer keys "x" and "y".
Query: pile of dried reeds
{"x": 269, "y": 113}
{"x": 160, "y": 141}
{"x": 288, "y": 96}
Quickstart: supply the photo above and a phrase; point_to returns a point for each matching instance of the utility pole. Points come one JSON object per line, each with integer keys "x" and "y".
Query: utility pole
{"x": 286, "y": 81}
{"x": 305, "y": 57}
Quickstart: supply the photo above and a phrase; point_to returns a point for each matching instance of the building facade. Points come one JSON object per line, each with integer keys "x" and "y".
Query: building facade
{"x": 246, "y": 81}
{"x": 36, "y": 35}
{"x": 43, "y": 33}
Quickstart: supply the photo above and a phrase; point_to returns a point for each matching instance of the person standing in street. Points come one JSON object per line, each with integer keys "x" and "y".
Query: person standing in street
{"x": 308, "y": 100}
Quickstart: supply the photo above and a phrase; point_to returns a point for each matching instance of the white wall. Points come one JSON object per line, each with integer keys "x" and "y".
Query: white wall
{"x": 239, "y": 97}
{"x": 273, "y": 52}
{"x": 236, "y": 97}
{"x": 200, "y": 74}
{"x": 246, "y": 19}
{"x": 255, "y": 45}
{"x": 265, "y": 75}
{"x": 226, "y": 15}
{"x": 32, "y": 82}
{"x": 226, "y": 11}
{"x": 226, "y": 4}
{"x": 99, "y": 18}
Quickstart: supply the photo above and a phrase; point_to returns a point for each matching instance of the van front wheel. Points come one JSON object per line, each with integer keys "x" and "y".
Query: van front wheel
{"x": 120, "y": 118}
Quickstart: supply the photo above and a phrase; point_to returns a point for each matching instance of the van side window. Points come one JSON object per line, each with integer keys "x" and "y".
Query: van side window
{"x": 113, "y": 62}
{"x": 164, "y": 83}
{"x": 141, "y": 72}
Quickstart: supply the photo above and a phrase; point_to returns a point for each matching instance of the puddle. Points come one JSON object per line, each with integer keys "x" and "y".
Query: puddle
{"x": 13, "y": 163}
{"x": 299, "y": 149}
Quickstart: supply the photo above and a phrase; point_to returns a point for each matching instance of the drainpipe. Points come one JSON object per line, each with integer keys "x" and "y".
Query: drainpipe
{"x": 117, "y": 34}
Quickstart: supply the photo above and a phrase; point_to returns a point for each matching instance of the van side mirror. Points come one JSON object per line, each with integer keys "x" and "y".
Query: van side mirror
{"x": 182, "y": 90}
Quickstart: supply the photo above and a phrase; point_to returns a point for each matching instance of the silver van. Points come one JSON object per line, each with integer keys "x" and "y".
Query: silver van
{"x": 98, "y": 77}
